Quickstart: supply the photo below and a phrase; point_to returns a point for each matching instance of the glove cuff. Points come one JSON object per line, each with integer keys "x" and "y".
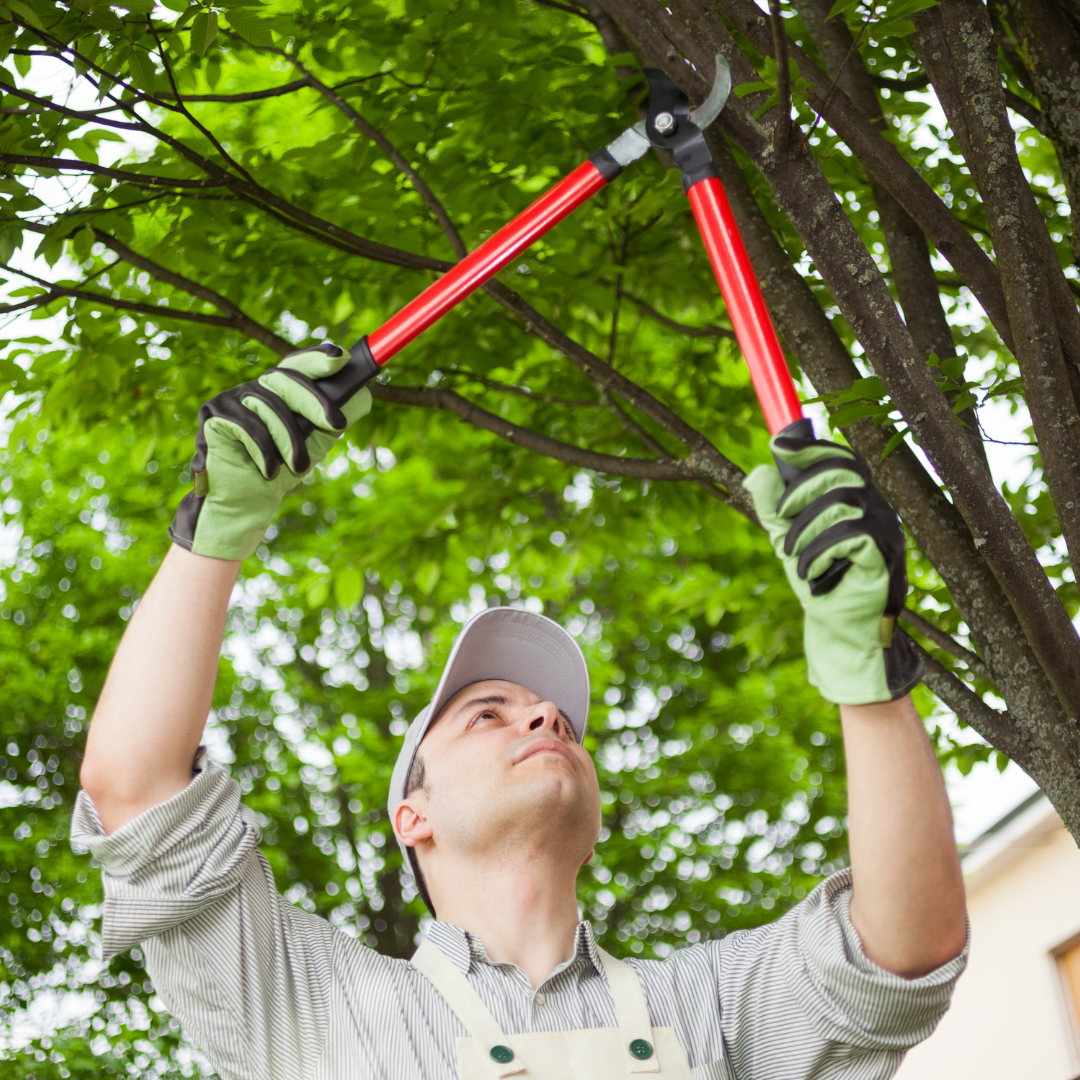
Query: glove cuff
{"x": 904, "y": 665}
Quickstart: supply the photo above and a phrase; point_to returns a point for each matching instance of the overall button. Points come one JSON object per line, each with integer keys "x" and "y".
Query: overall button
{"x": 641, "y": 1049}
{"x": 503, "y": 1054}
{"x": 539, "y": 997}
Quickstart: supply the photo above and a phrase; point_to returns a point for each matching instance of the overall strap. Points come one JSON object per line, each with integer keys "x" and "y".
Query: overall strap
{"x": 468, "y": 1007}
{"x": 632, "y": 1012}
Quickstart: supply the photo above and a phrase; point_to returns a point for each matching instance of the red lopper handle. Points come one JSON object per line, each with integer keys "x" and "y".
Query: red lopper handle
{"x": 746, "y": 306}
{"x": 486, "y": 261}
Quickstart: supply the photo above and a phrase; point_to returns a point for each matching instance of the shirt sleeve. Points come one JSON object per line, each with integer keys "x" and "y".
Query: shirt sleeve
{"x": 247, "y": 974}
{"x": 801, "y": 992}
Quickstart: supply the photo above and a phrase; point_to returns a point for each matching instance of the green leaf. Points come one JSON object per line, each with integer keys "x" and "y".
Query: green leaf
{"x": 317, "y": 593}
{"x": 27, "y": 12}
{"x": 857, "y": 410}
{"x": 143, "y": 70}
{"x": 250, "y": 27}
{"x": 140, "y": 7}
{"x": 188, "y": 15}
{"x": 83, "y": 242}
{"x": 953, "y": 367}
{"x": 8, "y": 32}
{"x": 108, "y": 372}
{"x": 892, "y": 28}
{"x": 179, "y": 6}
{"x": 743, "y": 89}
{"x": 773, "y": 99}
{"x": 348, "y": 587}
{"x": 842, "y": 7}
{"x": 909, "y": 7}
{"x": 895, "y": 440}
{"x": 427, "y": 577}
{"x": 204, "y": 28}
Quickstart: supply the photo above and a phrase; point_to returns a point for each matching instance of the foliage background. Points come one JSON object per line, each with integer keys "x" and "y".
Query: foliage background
{"x": 722, "y": 772}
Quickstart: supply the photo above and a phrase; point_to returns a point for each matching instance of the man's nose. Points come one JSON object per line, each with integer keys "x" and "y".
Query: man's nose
{"x": 544, "y": 716}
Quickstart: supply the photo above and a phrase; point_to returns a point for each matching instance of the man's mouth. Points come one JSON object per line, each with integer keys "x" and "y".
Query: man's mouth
{"x": 545, "y": 746}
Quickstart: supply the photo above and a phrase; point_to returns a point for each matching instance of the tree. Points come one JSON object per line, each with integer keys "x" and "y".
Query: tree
{"x": 228, "y": 181}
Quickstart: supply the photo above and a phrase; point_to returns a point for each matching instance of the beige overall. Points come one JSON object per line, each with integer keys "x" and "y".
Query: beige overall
{"x": 635, "y": 1046}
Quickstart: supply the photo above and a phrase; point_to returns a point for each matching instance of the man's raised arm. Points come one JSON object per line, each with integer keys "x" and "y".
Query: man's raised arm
{"x": 844, "y": 554}
{"x": 250, "y": 451}
{"x": 150, "y": 716}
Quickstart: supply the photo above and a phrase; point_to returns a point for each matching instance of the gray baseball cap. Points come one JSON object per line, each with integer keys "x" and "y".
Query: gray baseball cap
{"x": 506, "y": 643}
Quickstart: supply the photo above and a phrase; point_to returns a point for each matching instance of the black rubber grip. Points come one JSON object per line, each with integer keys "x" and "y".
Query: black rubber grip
{"x": 341, "y": 386}
{"x": 800, "y": 429}
{"x": 605, "y": 164}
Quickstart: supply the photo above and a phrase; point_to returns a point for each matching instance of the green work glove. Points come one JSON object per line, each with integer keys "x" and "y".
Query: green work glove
{"x": 843, "y": 551}
{"x": 253, "y": 448}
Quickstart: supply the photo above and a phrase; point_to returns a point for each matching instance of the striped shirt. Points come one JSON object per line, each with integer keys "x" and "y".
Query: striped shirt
{"x": 270, "y": 992}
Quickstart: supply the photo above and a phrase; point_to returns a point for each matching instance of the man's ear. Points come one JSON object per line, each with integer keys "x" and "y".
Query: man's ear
{"x": 589, "y": 857}
{"x": 411, "y": 822}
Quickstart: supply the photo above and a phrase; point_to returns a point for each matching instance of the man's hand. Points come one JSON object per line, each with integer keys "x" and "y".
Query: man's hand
{"x": 843, "y": 551}
{"x": 250, "y": 451}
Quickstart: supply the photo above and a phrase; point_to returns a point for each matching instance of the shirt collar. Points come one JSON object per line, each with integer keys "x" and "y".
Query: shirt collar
{"x": 466, "y": 950}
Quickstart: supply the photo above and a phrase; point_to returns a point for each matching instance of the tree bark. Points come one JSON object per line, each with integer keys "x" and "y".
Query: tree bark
{"x": 913, "y": 275}
{"x": 858, "y": 288}
{"x": 1049, "y": 36}
{"x": 1023, "y": 247}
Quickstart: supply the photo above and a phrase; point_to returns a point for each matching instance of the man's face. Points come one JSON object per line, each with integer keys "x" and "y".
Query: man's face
{"x": 504, "y": 771}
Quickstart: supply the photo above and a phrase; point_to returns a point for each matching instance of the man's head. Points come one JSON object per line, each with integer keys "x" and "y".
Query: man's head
{"x": 501, "y": 773}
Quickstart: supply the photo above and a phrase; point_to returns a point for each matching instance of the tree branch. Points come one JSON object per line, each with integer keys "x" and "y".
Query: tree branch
{"x": 782, "y": 131}
{"x": 914, "y": 82}
{"x": 439, "y": 398}
{"x": 58, "y": 291}
{"x": 33, "y": 161}
{"x": 201, "y": 128}
{"x": 854, "y": 280}
{"x": 947, "y": 642}
{"x": 437, "y": 209}
{"x": 1031, "y": 113}
{"x": 570, "y": 9}
{"x": 236, "y": 316}
{"x": 671, "y": 324}
{"x": 1018, "y": 230}
{"x": 998, "y": 729}
{"x": 705, "y": 460}
{"x": 519, "y": 391}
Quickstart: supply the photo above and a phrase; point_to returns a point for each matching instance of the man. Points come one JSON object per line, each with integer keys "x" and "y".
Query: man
{"x": 497, "y": 806}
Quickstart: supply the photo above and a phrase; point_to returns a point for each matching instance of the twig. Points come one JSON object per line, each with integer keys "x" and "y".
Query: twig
{"x": 915, "y": 82}
{"x": 998, "y": 729}
{"x": 520, "y": 391}
{"x": 236, "y": 316}
{"x": 370, "y": 131}
{"x": 671, "y": 324}
{"x": 1029, "y": 112}
{"x": 58, "y": 291}
{"x": 439, "y": 398}
{"x": 569, "y": 8}
{"x": 138, "y": 179}
{"x": 705, "y": 459}
{"x": 947, "y": 642}
{"x": 782, "y": 131}
{"x": 840, "y": 69}
{"x": 187, "y": 112}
